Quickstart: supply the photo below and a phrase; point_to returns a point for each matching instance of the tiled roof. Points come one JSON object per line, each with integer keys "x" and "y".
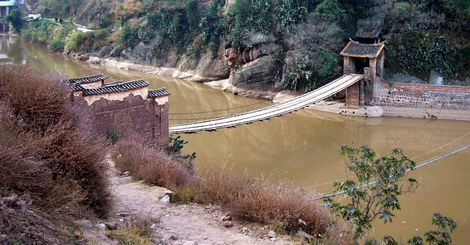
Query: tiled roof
{"x": 75, "y": 87}
{"x": 116, "y": 87}
{"x": 157, "y": 93}
{"x": 362, "y": 50}
{"x": 369, "y": 32}
{"x": 87, "y": 79}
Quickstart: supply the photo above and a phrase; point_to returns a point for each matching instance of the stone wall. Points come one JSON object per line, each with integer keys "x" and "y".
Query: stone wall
{"x": 131, "y": 116}
{"x": 423, "y": 96}
{"x": 142, "y": 92}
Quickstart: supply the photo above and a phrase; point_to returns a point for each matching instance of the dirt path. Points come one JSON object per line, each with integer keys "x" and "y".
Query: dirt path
{"x": 182, "y": 224}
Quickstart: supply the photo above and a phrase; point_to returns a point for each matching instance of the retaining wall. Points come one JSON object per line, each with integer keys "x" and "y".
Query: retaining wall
{"x": 423, "y": 96}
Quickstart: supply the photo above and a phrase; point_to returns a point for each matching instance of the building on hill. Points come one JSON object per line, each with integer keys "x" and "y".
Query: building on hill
{"x": 369, "y": 30}
{"x": 5, "y": 7}
{"x": 125, "y": 108}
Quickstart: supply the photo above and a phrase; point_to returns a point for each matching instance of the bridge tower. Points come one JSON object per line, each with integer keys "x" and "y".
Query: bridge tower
{"x": 364, "y": 56}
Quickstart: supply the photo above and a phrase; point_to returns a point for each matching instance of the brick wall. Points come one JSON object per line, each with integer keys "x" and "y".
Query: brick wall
{"x": 423, "y": 96}
{"x": 131, "y": 116}
{"x": 352, "y": 95}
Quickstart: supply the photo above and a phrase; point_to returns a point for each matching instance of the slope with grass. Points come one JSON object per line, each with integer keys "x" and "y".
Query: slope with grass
{"x": 47, "y": 153}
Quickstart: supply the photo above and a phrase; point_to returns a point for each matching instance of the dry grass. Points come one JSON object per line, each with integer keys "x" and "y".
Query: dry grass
{"x": 246, "y": 198}
{"x": 260, "y": 201}
{"x": 152, "y": 166}
{"x": 47, "y": 150}
{"x": 137, "y": 232}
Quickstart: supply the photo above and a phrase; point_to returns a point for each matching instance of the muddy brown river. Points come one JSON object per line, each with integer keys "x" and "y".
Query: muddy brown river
{"x": 302, "y": 147}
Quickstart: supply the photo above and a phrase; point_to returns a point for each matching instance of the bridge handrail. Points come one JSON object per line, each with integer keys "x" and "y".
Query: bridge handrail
{"x": 283, "y": 104}
{"x": 270, "y": 111}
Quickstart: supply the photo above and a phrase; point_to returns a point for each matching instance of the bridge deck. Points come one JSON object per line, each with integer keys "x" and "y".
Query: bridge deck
{"x": 276, "y": 110}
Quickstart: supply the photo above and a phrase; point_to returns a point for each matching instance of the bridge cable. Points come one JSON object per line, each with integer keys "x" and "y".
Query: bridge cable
{"x": 228, "y": 109}
{"x": 422, "y": 164}
{"x": 414, "y": 157}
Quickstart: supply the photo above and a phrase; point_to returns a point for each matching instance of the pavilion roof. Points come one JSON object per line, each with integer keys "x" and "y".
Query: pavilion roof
{"x": 362, "y": 50}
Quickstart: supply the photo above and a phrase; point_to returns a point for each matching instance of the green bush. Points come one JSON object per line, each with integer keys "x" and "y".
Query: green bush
{"x": 246, "y": 15}
{"x": 290, "y": 12}
{"x": 403, "y": 6}
{"x": 74, "y": 41}
{"x": 147, "y": 37}
{"x": 128, "y": 37}
{"x": 420, "y": 52}
{"x": 312, "y": 71}
{"x": 101, "y": 33}
{"x": 15, "y": 18}
{"x": 330, "y": 10}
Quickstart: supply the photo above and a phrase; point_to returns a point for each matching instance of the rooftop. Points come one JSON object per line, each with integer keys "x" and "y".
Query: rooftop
{"x": 369, "y": 32}
{"x": 87, "y": 79}
{"x": 362, "y": 50}
{"x": 75, "y": 87}
{"x": 116, "y": 87}
{"x": 370, "y": 27}
{"x": 157, "y": 93}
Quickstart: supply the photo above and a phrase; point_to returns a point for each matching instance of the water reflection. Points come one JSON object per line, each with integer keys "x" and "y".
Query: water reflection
{"x": 11, "y": 51}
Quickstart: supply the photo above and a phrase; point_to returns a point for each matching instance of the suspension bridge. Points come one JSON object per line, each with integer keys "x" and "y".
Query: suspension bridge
{"x": 266, "y": 113}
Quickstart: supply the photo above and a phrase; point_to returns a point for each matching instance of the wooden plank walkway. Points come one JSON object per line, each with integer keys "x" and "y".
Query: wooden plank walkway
{"x": 269, "y": 112}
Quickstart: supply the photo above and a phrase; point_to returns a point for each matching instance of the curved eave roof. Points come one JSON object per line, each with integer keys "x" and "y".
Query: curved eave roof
{"x": 362, "y": 50}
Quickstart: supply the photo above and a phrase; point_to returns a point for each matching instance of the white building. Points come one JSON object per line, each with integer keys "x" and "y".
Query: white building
{"x": 5, "y": 7}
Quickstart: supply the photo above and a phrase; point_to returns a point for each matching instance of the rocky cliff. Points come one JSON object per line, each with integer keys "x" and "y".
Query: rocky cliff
{"x": 268, "y": 44}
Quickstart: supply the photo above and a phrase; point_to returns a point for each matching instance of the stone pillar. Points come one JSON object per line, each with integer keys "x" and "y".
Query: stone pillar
{"x": 361, "y": 93}
{"x": 161, "y": 120}
{"x": 381, "y": 64}
{"x": 347, "y": 65}
{"x": 369, "y": 96}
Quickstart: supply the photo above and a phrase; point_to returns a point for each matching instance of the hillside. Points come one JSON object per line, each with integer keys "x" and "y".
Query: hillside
{"x": 269, "y": 44}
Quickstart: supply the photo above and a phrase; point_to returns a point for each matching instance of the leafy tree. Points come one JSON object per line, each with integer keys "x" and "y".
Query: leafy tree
{"x": 290, "y": 12}
{"x": 74, "y": 41}
{"x": 15, "y": 18}
{"x": 375, "y": 192}
{"x": 177, "y": 144}
{"x": 128, "y": 37}
{"x": 312, "y": 71}
{"x": 445, "y": 227}
{"x": 249, "y": 15}
{"x": 193, "y": 14}
{"x": 330, "y": 10}
{"x": 419, "y": 52}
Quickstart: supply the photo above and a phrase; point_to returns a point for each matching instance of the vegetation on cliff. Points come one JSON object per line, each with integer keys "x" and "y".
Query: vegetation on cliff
{"x": 301, "y": 39}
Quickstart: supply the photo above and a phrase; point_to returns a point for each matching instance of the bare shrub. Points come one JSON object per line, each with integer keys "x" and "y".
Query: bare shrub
{"x": 260, "y": 201}
{"x": 36, "y": 101}
{"x": 47, "y": 151}
{"x": 148, "y": 164}
{"x": 246, "y": 198}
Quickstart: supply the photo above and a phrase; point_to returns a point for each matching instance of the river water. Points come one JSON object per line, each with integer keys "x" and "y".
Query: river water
{"x": 302, "y": 147}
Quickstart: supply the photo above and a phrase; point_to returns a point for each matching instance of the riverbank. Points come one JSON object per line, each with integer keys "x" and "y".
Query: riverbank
{"x": 336, "y": 107}
{"x": 169, "y": 223}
